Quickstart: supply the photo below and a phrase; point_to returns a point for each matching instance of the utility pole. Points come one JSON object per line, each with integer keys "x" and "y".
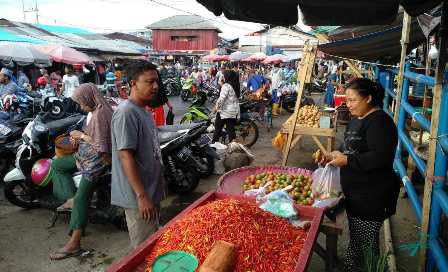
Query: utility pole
{"x": 35, "y": 9}
{"x": 23, "y": 10}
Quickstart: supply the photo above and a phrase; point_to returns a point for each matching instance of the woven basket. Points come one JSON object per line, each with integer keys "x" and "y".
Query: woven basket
{"x": 63, "y": 146}
{"x": 231, "y": 182}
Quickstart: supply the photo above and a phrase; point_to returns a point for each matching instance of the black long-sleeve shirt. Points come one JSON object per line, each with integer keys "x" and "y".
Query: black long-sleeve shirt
{"x": 368, "y": 181}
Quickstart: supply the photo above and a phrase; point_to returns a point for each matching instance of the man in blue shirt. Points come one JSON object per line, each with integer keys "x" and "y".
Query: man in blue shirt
{"x": 255, "y": 81}
{"x": 7, "y": 86}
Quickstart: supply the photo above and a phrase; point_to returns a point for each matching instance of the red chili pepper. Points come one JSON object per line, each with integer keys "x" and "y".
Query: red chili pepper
{"x": 264, "y": 242}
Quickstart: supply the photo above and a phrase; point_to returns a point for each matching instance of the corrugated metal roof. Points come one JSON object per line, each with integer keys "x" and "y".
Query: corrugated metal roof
{"x": 184, "y": 22}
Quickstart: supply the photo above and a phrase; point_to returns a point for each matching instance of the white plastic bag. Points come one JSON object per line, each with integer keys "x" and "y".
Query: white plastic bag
{"x": 278, "y": 203}
{"x": 326, "y": 183}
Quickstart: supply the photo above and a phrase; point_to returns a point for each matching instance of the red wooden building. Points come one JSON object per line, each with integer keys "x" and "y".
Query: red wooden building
{"x": 184, "y": 34}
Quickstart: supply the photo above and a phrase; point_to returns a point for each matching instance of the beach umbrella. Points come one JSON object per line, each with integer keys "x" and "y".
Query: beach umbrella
{"x": 238, "y": 56}
{"x": 64, "y": 54}
{"x": 23, "y": 54}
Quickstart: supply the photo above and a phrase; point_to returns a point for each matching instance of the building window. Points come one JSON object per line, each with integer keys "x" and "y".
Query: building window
{"x": 184, "y": 38}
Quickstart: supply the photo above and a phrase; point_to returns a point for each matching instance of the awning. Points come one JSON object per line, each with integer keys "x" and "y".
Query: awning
{"x": 381, "y": 45}
{"x": 96, "y": 58}
{"x": 10, "y": 37}
{"x": 317, "y": 12}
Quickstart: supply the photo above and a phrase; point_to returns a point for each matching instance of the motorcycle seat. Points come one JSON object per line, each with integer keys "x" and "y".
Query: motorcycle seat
{"x": 165, "y": 137}
{"x": 60, "y": 126}
{"x": 177, "y": 127}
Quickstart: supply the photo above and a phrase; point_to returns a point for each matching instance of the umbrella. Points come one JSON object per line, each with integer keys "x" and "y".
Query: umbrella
{"x": 222, "y": 58}
{"x": 258, "y": 56}
{"x": 61, "y": 53}
{"x": 23, "y": 54}
{"x": 275, "y": 59}
{"x": 238, "y": 56}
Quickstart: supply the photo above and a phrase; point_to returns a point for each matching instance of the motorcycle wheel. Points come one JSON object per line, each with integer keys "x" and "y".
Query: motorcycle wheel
{"x": 247, "y": 133}
{"x": 184, "y": 181}
{"x": 184, "y": 95}
{"x": 207, "y": 160}
{"x": 57, "y": 110}
{"x": 19, "y": 194}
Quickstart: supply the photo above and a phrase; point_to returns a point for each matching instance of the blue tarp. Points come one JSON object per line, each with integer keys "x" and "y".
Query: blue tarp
{"x": 10, "y": 37}
{"x": 63, "y": 29}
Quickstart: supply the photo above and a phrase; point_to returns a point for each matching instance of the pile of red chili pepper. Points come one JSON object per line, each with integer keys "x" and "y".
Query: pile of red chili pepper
{"x": 264, "y": 241}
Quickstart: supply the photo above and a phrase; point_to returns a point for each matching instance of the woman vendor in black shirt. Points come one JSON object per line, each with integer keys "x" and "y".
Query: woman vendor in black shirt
{"x": 368, "y": 180}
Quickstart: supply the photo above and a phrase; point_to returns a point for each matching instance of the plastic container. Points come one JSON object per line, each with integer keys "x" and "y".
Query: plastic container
{"x": 135, "y": 261}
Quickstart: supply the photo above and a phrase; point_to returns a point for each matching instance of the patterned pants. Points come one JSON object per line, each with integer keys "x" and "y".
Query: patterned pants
{"x": 364, "y": 237}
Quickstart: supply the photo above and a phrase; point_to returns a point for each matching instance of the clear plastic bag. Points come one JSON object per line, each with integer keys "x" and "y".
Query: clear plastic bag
{"x": 326, "y": 183}
{"x": 278, "y": 203}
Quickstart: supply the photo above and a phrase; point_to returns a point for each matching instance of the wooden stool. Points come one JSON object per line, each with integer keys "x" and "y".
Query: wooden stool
{"x": 331, "y": 230}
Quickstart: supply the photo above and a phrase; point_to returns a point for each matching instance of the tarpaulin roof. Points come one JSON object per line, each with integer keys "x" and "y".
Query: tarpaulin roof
{"x": 381, "y": 45}
{"x": 317, "y": 12}
{"x": 11, "y": 37}
{"x": 63, "y": 29}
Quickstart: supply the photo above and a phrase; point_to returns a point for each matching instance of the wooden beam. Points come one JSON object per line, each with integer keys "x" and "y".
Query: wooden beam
{"x": 404, "y": 46}
{"x": 353, "y": 67}
{"x": 320, "y": 145}
{"x": 440, "y": 69}
{"x": 305, "y": 72}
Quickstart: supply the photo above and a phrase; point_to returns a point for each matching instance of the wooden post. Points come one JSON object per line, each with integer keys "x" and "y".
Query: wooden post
{"x": 305, "y": 71}
{"x": 440, "y": 69}
{"x": 353, "y": 67}
{"x": 404, "y": 46}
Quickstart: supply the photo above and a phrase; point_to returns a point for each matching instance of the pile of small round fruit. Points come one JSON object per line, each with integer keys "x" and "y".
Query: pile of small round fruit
{"x": 297, "y": 186}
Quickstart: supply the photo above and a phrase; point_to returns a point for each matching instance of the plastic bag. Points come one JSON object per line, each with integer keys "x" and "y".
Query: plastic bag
{"x": 278, "y": 203}
{"x": 170, "y": 118}
{"x": 279, "y": 141}
{"x": 326, "y": 183}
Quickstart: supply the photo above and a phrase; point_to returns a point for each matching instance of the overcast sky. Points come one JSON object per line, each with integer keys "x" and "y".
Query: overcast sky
{"x": 116, "y": 15}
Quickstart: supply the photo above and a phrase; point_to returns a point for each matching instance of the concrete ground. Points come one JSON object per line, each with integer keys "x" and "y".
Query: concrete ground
{"x": 25, "y": 241}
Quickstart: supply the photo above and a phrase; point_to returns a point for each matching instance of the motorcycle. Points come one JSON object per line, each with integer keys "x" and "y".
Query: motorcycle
{"x": 186, "y": 156}
{"x": 10, "y": 140}
{"x": 49, "y": 101}
{"x": 172, "y": 86}
{"x": 246, "y": 129}
{"x": 317, "y": 86}
{"x": 189, "y": 89}
{"x": 23, "y": 190}
{"x": 211, "y": 91}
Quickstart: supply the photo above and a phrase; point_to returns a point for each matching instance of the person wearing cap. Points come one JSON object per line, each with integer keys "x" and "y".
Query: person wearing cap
{"x": 7, "y": 86}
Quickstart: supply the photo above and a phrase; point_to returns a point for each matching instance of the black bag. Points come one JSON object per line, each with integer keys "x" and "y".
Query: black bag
{"x": 169, "y": 118}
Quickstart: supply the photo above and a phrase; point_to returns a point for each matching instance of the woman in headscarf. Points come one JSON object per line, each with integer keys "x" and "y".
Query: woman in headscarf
{"x": 92, "y": 159}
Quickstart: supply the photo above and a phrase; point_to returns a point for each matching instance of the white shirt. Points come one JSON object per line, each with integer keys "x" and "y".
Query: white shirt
{"x": 228, "y": 103}
{"x": 70, "y": 84}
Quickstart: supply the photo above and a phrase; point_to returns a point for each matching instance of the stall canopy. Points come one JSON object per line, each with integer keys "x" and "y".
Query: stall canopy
{"x": 317, "y": 12}
{"x": 384, "y": 44}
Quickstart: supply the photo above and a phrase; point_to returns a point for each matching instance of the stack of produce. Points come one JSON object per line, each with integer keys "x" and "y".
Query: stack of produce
{"x": 264, "y": 241}
{"x": 299, "y": 185}
{"x": 308, "y": 117}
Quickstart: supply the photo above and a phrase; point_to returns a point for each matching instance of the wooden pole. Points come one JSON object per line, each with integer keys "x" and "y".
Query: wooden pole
{"x": 404, "y": 46}
{"x": 305, "y": 71}
{"x": 440, "y": 69}
{"x": 353, "y": 67}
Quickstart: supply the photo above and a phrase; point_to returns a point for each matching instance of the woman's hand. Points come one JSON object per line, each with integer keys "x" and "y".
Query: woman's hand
{"x": 76, "y": 134}
{"x": 326, "y": 158}
{"x": 338, "y": 159}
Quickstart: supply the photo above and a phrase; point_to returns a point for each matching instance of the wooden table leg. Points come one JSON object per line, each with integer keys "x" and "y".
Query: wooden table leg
{"x": 331, "y": 246}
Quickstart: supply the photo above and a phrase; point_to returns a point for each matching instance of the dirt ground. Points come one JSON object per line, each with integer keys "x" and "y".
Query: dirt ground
{"x": 25, "y": 240}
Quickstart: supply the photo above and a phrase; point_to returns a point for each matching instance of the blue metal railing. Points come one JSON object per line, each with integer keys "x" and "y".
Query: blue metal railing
{"x": 439, "y": 204}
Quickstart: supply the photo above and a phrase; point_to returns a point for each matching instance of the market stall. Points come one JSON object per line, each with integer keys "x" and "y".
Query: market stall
{"x": 263, "y": 240}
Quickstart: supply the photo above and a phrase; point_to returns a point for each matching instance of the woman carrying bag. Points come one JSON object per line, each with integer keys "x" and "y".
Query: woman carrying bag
{"x": 92, "y": 158}
{"x": 368, "y": 180}
{"x": 227, "y": 106}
